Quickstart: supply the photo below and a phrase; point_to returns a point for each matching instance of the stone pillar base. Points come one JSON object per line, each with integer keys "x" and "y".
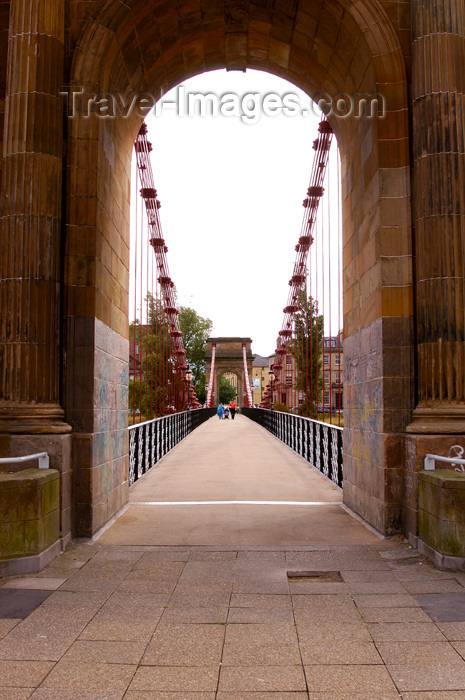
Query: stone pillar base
{"x": 30, "y": 419}
{"x": 416, "y": 448}
{"x": 59, "y": 448}
{"x": 439, "y": 420}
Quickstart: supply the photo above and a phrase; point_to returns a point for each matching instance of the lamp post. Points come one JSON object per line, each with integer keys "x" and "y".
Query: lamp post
{"x": 188, "y": 379}
{"x": 271, "y": 375}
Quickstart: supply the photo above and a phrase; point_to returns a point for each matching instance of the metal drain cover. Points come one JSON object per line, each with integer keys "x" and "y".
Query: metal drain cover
{"x": 316, "y": 576}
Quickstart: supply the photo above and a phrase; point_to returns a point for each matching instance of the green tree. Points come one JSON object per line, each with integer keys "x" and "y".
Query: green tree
{"x": 155, "y": 388}
{"x": 307, "y": 349}
{"x": 195, "y": 330}
{"x": 227, "y": 391}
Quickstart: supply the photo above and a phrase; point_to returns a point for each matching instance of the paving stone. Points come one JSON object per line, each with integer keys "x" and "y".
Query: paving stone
{"x": 218, "y": 615}
{"x": 88, "y": 584}
{"x": 106, "y": 652}
{"x": 252, "y": 654}
{"x": 119, "y": 630}
{"x": 443, "y": 607}
{"x": 23, "y": 674}
{"x": 40, "y": 584}
{"x": 373, "y": 681}
{"x": 263, "y": 600}
{"x": 404, "y": 632}
{"x": 396, "y": 600}
{"x": 417, "y": 653}
{"x": 205, "y": 555}
{"x": 339, "y": 653}
{"x": 395, "y": 615}
{"x": 453, "y": 631}
{"x": 432, "y": 695}
{"x": 67, "y": 675}
{"x": 333, "y": 632}
{"x": 7, "y": 624}
{"x": 260, "y": 615}
{"x": 185, "y": 645}
{"x": 429, "y": 675}
{"x": 385, "y": 694}
{"x": 15, "y": 693}
{"x": 377, "y": 587}
{"x": 175, "y": 678}
{"x": 364, "y": 576}
{"x": 16, "y": 603}
{"x": 234, "y": 695}
{"x": 272, "y": 633}
{"x": 315, "y": 587}
{"x": 436, "y": 586}
{"x": 262, "y": 678}
{"x": 47, "y": 694}
{"x": 161, "y": 695}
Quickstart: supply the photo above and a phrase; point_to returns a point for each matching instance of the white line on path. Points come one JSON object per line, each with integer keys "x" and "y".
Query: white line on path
{"x": 229, "y": 503}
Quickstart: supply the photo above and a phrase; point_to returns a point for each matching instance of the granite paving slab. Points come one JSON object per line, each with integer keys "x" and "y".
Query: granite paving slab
{"x": 15, "y": 693}
{"x": 339, "y": 653}
{"x": 69, "y": 675}
{"x": 35, "y": 583}
{"x": 185, "y": 645}
{"x": 175, "y": 678}
{"x": 69, "y": 694}
{"x": 261, "y": 678}
{"x": 406, "y": 631}
{"x": 18, "y": 604}
{"x": 373, "y": 680}
{"x": 443, "y": 607}
{"x": 22, "y": 674}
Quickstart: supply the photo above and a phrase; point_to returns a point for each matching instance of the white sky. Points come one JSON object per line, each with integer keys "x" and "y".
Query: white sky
{"x": 231, "y": 197}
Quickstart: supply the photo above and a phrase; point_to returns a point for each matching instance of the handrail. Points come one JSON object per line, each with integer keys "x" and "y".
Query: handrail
{"x": 44, "y": 459}
{"x": 431, "y": 459}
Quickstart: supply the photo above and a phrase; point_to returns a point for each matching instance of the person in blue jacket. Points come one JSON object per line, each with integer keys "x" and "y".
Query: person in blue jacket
{"x": 220, "y": 411}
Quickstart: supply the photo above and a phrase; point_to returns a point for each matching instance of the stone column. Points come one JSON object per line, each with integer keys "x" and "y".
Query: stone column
{"x": 439, "y": 214}
{"x": 31, "y": 221}
{"x": 439, "y": 211}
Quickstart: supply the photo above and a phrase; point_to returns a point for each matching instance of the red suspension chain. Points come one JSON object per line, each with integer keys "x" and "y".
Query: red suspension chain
{"x": 177, "y": 395}
{"x": 297, "y": 283}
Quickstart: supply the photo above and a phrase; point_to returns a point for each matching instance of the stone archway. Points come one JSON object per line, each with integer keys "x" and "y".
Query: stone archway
{"x": 228, "y": 358}
{"x": 335, "y": 46}
{"x": 319, "y": 46}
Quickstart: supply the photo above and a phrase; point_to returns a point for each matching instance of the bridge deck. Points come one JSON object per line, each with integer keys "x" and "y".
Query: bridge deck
{"x": 232, "y": 483}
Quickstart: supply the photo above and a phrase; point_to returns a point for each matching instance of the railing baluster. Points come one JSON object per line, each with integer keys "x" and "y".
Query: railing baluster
{"x": 319, "y": 443}
{"x": 150, "y": 441}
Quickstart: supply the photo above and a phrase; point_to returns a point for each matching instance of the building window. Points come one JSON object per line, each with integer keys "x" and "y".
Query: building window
{"x": 337, "y": 359}
{"x": 289, "y": 380}
{"x": 326, "y": 359}
{"x": 288, "y": 360}
{"x": 326, "y": 399}
{"x": 326, "y": 377}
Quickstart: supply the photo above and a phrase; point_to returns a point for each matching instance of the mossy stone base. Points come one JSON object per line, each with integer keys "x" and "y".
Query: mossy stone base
{"x": 441, "y": 515}
{"x": 29, "y": 512}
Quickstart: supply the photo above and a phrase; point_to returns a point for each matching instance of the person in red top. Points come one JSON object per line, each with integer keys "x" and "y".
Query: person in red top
{"x": 232, "y": 409}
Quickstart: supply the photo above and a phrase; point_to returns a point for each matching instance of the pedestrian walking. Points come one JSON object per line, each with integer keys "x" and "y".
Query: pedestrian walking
{"x": 232, "y": 409}
{"x": 220, "y": 411}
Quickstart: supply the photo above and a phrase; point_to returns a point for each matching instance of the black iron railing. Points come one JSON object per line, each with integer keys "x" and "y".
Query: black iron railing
{"x": 319, "y": 443}
{"x": 150, "y": 441}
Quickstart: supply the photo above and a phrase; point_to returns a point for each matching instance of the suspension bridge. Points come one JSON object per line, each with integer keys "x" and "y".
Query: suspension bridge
{"x": 163, "y": 405}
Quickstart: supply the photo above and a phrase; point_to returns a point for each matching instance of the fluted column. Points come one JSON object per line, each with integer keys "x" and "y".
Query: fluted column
{"x": 439, "y": 211}
{"x": 31, "y": 221}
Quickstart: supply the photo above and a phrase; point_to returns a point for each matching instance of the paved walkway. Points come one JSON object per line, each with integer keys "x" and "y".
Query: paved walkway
{"x": 324, "y": 621}
{"x": 232, "y": 483}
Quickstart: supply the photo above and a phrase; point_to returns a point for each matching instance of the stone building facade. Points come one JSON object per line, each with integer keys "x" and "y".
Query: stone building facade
{"x": 65, "y": 221}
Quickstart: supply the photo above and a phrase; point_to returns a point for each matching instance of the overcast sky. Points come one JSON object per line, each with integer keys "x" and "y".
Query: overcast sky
{"x": 231, "y": 194}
